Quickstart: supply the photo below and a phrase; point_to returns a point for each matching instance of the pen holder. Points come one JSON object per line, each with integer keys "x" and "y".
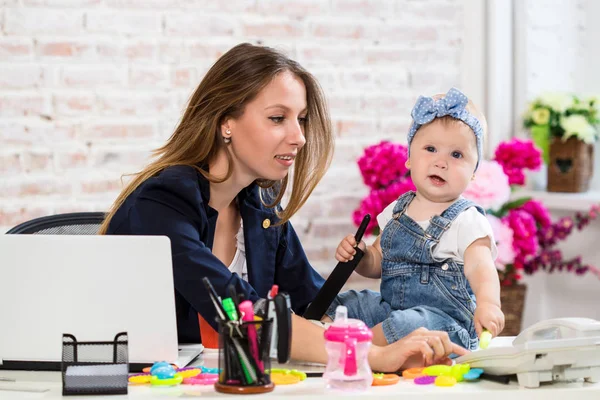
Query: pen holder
{"x": 94, "y": 367}
{"x": 244, "y": 362}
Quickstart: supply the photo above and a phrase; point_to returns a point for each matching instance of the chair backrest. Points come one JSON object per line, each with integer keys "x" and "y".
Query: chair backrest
{"x": 81, "y": 223}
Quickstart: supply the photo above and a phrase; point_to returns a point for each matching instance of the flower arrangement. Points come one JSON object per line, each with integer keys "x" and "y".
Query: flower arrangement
{"x": 563, "y": 116}
{"x": 523, "y": 229}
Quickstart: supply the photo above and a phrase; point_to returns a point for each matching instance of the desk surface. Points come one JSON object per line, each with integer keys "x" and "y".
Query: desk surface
{"x": 311, "y": 388}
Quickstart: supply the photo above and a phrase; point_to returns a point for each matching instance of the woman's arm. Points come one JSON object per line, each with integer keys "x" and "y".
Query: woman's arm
{"x": 293, "y": 272}
{"x": 421, "y": 347}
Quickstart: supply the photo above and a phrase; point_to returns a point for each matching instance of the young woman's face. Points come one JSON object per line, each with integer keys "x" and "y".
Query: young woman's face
{"x": 442, "y": 160}
{"x": 267, "y": 137}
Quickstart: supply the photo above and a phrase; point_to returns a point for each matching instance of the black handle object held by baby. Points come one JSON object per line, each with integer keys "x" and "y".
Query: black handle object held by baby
{"x": 337, "y": 278}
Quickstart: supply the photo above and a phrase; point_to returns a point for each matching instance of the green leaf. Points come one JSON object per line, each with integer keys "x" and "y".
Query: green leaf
{"x": 511, "y": 205}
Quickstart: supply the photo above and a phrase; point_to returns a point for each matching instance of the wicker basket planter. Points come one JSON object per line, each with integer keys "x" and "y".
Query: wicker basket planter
{"x": 513, "y": 302}
{"x": 571, "y": 165}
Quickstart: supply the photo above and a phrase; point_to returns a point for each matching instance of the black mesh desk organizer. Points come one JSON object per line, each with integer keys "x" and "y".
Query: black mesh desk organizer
{"x": 95, "y": 367}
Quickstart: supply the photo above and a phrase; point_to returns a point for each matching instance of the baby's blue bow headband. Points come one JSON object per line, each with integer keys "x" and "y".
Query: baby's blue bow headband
{"x": 426, "y": 109}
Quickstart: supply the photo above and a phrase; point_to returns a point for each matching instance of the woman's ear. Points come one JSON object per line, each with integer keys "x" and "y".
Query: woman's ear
{"x": 226, "y": 132}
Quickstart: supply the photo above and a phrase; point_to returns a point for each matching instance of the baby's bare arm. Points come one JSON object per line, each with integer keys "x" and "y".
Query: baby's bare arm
{"x": 481, "y": 271}
{"x": 483, "y": 277}
{"x": 370, "y": 265}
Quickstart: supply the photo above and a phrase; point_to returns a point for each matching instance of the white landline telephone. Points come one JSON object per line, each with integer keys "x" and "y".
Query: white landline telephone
{"x": 561, "y": 349}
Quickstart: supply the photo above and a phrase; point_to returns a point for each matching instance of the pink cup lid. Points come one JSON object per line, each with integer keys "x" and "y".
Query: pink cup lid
{"x": 344, "y": 328}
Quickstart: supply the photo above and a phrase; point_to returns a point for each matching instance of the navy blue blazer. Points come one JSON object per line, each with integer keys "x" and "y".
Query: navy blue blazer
{"x": 175, "y": 203}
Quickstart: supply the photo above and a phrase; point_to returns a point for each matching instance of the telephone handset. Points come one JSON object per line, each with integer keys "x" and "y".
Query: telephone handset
{"x": 559, "y": 328}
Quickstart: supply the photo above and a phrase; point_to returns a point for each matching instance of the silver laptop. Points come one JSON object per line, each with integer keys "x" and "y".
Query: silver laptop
{"x": 92, "y": 287}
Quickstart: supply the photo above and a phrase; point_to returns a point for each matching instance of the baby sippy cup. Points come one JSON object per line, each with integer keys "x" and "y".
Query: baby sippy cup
{"x": 347, "y": 342}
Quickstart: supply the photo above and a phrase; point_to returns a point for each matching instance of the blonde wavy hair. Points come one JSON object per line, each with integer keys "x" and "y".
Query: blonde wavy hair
{"x": 232, "y": 82}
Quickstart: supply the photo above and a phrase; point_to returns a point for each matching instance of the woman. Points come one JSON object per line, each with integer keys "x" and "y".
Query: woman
{"x": 215, "y": 190}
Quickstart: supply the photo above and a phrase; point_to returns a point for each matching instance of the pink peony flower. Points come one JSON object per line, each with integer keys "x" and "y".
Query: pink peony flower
{"x": 538, "y": 211}
{"x": 504, "y": 242}
{"x": 525, "y": 242}
{"x": 379, "y": 199}
{"x": 372, "y": 204}
{"x": 516, "y": 155}
{"x": 382, "y": 164}
{"x": 490, "y": 189}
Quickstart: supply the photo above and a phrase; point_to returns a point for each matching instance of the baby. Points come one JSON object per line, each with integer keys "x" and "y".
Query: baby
{"x": 432, "y": 239}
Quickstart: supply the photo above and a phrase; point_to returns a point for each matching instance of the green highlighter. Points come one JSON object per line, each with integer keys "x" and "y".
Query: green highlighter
{"x": 484, "y": 339}
{"x": 229, "y": 307}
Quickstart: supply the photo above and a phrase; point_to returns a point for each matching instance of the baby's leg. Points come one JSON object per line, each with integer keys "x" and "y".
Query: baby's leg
{"x": 402, "y": 322}
{"x": 366, "y": 305}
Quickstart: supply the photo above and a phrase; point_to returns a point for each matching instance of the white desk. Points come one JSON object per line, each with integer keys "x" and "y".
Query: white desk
{"x": 311, "y": 388}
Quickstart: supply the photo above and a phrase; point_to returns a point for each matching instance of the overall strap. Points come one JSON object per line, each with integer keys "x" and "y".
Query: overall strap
{"x": 438, "y": 224}
{"x": 403, "y": 202}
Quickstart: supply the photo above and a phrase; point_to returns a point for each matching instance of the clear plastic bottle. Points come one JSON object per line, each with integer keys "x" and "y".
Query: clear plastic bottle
{"x": 347, "y": 342}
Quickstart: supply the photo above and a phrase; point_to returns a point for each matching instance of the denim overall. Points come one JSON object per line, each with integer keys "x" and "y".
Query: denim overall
{"x": 416, "y": 290}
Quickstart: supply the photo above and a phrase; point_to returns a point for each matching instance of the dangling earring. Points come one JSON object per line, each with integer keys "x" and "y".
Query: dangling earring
{"x": 473, "y": 177}
{"x": 226, "y": 139}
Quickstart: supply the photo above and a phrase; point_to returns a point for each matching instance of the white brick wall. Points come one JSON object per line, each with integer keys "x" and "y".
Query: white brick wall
{"x": 88, "y": 87}
{"x": 556, "y": 52}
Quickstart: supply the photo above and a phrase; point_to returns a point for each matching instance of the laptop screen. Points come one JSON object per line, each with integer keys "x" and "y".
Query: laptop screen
{"x": 89, "y": 286}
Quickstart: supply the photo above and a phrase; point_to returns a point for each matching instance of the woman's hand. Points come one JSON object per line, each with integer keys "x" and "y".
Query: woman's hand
{"x": 420, "y": 348}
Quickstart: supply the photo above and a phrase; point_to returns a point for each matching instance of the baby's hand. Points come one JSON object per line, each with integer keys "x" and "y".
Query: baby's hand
{"x": 346, "y": 251}
{"x": 489, "y": 316}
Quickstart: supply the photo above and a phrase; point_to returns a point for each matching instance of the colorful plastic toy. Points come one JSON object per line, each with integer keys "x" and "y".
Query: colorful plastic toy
{"x": 385, "y": 379}
{"x": 189, "y": 372}
{"x": 443, "y": 375}
{"x": 201, "y": 379}
{"x": 175, "y": 380}
{"x": 444, "y": 380}
{"x": 139, "y": 379}
{"x": 473, "y": 374}
{"x": 286, "y": 376}
{"x": 425, "y": 380}
{"x": 437, "y": 370}
{"x": 412, "y": 373}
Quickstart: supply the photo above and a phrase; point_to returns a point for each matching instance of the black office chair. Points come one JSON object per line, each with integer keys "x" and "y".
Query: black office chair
{"x": 80, "y": 223}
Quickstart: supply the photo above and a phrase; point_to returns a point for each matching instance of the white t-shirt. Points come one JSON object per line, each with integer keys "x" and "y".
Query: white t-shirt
{"x": 468, "y": 226}
{"x": 238, "y": 264}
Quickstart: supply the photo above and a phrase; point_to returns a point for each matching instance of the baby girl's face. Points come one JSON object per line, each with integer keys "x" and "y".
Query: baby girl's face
{"x": 443, "y": 157}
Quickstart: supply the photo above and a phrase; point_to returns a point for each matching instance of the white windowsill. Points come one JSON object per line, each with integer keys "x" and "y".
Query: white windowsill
{"x": 562, "y": 201}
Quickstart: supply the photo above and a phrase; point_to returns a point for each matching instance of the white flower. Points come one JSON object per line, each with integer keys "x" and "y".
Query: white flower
{"x": 592, "y": 100}
{"x": 540, "y": 116}
{"x": 578, "y": 126}
{"x": 558, "y": 102}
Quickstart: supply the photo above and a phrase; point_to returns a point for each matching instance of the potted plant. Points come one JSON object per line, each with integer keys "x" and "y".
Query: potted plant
{"x": 523, "y": 229}
{"x": 565, "y": 128}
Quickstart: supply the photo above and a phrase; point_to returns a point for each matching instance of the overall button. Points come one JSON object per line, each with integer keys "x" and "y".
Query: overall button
{"x": 266, "y": 223}
{"x": 445, "y": 267}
